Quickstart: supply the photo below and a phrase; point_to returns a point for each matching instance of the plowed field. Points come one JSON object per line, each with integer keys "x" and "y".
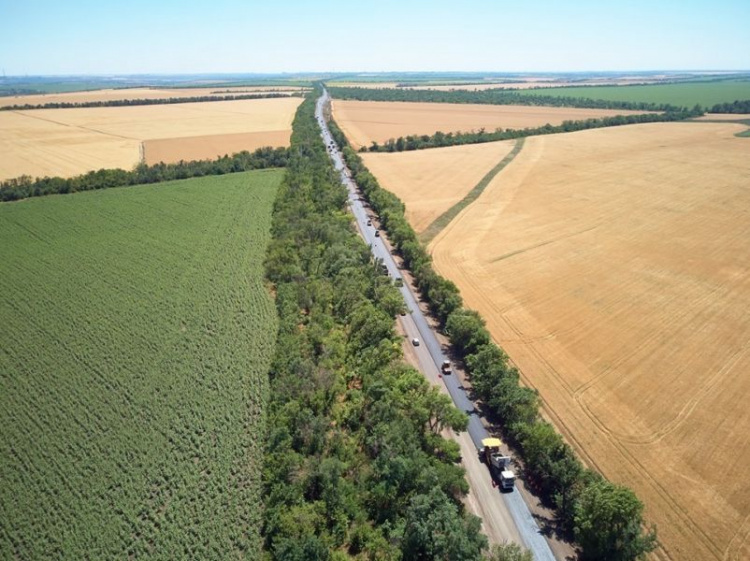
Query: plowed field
{"x": 379, "y": 121}
{"x": 67, "y": 142}
{"x": 613, "y": 266}
{"x": 431, "y": 181}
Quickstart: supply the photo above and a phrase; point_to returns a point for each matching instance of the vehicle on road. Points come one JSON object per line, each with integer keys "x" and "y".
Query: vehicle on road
{"x": 415, "y": 341}
{"x": 377, "y": 233}
{"x": 446, "y": 367}
{"x": 498, "y": 463}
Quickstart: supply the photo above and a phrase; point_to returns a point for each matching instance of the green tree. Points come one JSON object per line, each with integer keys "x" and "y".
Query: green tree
{"x": 508, "y": 552}
{"x": 609, "y": 524}
{"x": 435, "y": 530}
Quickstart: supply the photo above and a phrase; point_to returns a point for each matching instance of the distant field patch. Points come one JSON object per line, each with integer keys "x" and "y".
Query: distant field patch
{"x": 136, "y": 337}
{"x": 210, "y": 146}
{"x": 68, "y": 142}
{"x": 706, "y": 94}
{"x": 366, "y": 121}
{"x": 138, "y": 93}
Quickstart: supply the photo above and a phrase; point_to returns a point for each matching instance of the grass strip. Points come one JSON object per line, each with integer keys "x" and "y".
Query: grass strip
{"x": 444, "y": 219}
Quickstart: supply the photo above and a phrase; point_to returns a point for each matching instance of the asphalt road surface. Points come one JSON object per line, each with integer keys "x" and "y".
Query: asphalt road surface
{"x": 505, "y": 516}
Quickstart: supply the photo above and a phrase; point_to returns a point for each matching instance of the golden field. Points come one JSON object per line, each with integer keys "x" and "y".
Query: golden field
{"x": 366, "y": 121}
{"x": 114, "y": 94}
{"x": 68, "y": 142}
{"x": 613, "y": 266}
{"x": 431, "y": 181}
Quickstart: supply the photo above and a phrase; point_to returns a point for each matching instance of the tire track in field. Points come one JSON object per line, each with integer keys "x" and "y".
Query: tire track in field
{"x": 81, "y": 127}
{"x": 451, "y": 259}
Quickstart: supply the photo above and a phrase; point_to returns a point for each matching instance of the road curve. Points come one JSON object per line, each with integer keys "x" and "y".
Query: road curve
{"x": 505, "y": 515}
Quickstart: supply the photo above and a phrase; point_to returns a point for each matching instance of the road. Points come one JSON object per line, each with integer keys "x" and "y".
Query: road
{"x": 505, "y": 516}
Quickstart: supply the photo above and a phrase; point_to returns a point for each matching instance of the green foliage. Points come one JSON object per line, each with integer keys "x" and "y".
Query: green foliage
{"x": 435, "y": 530}
{"x": 25, "y": 187}
{"x": 508, "y": 552}
{"x": 137, "y": 336}
{"x": 609, "y": 524}
{"x": 353, "y": 432}
{"x": 551, "y": 97}
{"x": 439, "y": 139}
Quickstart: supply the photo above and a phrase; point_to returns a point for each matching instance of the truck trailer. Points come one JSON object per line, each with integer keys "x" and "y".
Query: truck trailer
{"x": 497, "y": 463}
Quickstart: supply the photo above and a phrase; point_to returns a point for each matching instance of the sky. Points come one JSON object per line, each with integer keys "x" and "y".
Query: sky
{"x": 42, "y": 37}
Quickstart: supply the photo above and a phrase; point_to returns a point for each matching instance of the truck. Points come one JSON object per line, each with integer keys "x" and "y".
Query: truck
{"x": 498, "y": 463}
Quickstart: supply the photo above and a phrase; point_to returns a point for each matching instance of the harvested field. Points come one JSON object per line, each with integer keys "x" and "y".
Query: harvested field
{"x": 431, "y": 181}
{"x": 613, "y": 266}
{"x": 209, "y": 146}
{"x": 138, "y": 93}
{"x": 366, "y": 121}
{"x": 723, "y": 117}
{"x": 67, "y": 142}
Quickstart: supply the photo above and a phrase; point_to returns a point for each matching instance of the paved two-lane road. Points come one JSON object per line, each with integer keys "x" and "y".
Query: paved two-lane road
{"x": 505, "y": 515}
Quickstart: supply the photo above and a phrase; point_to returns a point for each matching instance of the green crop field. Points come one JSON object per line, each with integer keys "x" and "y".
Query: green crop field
{"x": 136, "y": 333}
{"x": 687, "y": 94}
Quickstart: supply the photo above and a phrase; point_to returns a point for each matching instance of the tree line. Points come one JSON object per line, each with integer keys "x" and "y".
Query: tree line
{"x": 355, "y": 466}
{"x": 142, "y": 101}
{"x": 739, "y": 106}
{"x": 492, "y": 97}
{"x": 605, "y": 519}
{"x": 25, "y": 186}
{"x": 440, "y": 139}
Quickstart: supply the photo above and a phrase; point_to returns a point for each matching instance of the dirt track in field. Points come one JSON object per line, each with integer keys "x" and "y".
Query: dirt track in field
{"x": 431, "y": 181}
{"x": 68, "y": 142}
{"x": 366, "y": 121}
{"x": 613, "y": 266}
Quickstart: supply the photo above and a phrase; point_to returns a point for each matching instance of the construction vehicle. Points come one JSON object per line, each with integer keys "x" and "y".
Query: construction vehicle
{"x": 498, "y": 463}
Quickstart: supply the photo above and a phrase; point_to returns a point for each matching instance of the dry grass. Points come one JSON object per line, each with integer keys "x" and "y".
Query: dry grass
{"x": 379, "y": 121}
{"x": 613, "y": 266}
{"x": 723, "y": 117}
{"x": 71, "y": 141}
{"x": 431, "y": 181}
{"x": 137, "y": 93}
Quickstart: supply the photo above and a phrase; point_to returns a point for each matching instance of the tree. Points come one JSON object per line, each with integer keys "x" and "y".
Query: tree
{"x": 609, "y": 524}
{"x": 435, "y": 530}
{"x": 466, "y": 330}
{"x": 509, "y": 552}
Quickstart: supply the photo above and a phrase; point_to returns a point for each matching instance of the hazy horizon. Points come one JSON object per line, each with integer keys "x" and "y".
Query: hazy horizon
{"x": 87, "y": 38}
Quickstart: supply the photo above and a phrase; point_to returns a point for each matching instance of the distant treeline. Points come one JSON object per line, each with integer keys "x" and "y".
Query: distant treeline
{"x": 604, "y": 518}
{"x": 26, "y": 186}
{"x": 733, "y": 107}
{"x": 492, "y": 97}
{"x": 131, "y": 102}
{"x": 440, "y": 139}
{"x": 355, "y": 463}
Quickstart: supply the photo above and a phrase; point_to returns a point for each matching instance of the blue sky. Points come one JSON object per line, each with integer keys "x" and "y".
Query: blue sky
{"x": 155, "y": 36}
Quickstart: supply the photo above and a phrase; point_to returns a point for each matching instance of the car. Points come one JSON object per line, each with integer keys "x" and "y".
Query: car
{"x": 377, "y": 233}
{"x": 415, "y": 342}
{"x": 369, "y": 222}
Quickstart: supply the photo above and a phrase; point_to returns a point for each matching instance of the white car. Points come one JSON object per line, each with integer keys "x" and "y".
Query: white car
{"x": 415, "y": 342}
